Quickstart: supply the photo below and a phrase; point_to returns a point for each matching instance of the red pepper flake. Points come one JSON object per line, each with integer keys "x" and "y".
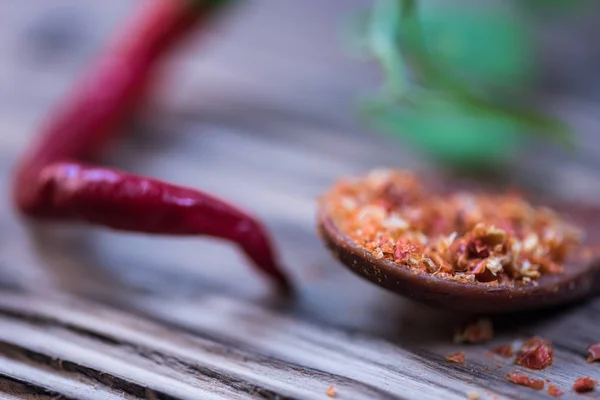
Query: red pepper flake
{"x": 536, "y": 353}
{"x": 473, "y": 396}
{"x": 465, "y": 236}
{"x": 475, "y": 332}
{"x": 583, "y": 385}
{"x": 486, "y": 369}
{"x": 457, "y": 358}
{"x": 536, "y": 384}
{"x": 594, "y": 351}
{"x": 504, "y": 351}
{"x": 554, "y": 391}
{"x": 331, "y": 391}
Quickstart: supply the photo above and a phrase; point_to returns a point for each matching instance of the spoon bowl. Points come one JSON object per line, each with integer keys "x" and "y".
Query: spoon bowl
{"x": 580, "y": 279}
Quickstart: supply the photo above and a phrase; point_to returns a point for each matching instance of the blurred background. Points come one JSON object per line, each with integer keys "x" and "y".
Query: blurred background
{"x": 282, "y": 97}
{"x": 460, "y": 84}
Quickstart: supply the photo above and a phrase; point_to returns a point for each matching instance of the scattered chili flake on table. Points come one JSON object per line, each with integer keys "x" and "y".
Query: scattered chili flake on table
{"x": 331, "y": 391}
{"x": 594, "y": 353}
{"x": 457, "y": 358}
{"x": 536, "y": 353}
{"x": 536, "y": 384}
{"x": 505, "y": 351}
{"x": 475, "y": 332}
{"x": 493, "y": 239}
{"x": 473, "y": 396}
{"x": 583, "y": 385}
{"x": 554, "y": 391}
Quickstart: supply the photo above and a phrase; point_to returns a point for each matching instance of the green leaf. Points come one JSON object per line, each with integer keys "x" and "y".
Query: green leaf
{"x": 535, "y": 123}
{"x": 448, "y": 132}
{"x": 476, "y": 45}
{"x": 532, "y": 122}
{"x": 465, "y": 60}
{"x": 383, "y": 31}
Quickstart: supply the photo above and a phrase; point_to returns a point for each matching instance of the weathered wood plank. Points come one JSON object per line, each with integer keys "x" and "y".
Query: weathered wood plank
{"x": 418, "y": 346}
{"x": 154, "y": 317}
{"x": 396, "y": 367}
{"x": 21, "y": 378}
{"x": 15, "y": 389}
{"x": 127, "y": 353}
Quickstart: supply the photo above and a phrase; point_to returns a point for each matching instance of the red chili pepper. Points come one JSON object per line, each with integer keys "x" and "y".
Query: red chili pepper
{"x": 52, "y": 183}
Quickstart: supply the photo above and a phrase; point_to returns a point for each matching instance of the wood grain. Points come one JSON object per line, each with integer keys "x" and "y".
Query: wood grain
{"x": 267, "y": 120}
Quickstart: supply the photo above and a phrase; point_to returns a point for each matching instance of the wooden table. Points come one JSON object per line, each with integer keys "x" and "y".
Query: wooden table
{"x": 260, "y": 113}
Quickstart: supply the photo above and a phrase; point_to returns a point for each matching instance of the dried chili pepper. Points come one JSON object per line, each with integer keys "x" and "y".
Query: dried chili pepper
{"x": 554, "y": 391}
{"x": 594, "y": 353}
{"x": 478, "y": 331}
{"x": 585, "y": 384}
{"x": 473, "y": 395}
{"x": 536, "y": 384}
{"x": 456, "y": 358}
{"x": 504, "y": 351}
{"x": 536, "y": 353}
{"x": 331, "y": 392}
{"x": 51, "y": 182}
{"x": 466, "y": 236}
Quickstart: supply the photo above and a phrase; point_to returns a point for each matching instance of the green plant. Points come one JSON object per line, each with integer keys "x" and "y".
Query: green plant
{"x": 455, "y": 80}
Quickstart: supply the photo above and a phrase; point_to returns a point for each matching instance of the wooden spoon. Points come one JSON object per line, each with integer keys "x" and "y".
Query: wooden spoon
{"x": 578, "y": 281}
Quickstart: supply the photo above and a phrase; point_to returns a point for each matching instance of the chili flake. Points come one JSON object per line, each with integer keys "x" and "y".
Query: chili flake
{"x": 554, "y": 391}
{"x": 493, "y": 239}
{"x": 505, "y": 351}
{"x": 475, "y": 332}
{"x": 536, "y": 353}
{"x": 457, "y": 358}
{"x": 583, "y": 385}
{"x": 594, "y": 353}
{"x": 473, "y": 396}
{"x": 331, "y": 391}
{"x": 536, "y": 384}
